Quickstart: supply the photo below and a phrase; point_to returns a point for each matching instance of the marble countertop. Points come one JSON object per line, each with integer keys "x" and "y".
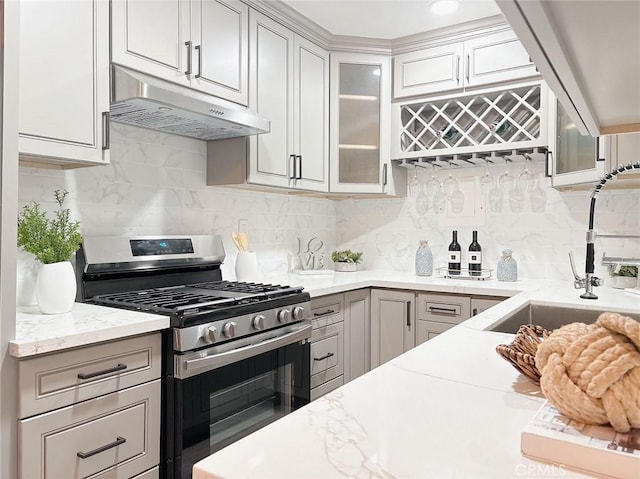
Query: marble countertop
{"x": 450, "y": 407}
{"x": 88, "y": 324}
{"x": 38, "y": 333}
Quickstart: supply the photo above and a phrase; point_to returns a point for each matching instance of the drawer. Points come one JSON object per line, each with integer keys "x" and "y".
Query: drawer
{"x": 115, "y": 436}
{"x": 57, "y": 380}
{"x": 326, "y": 387}
{"x": 327, "y": 310}
{"x": 327, "y": 354}
{"x": 150, "y": 474}
{"x": 445, "y": 308}
{"x": 430, "y": 329}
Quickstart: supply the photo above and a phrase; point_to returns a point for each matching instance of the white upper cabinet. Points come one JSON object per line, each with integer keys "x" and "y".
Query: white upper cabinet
{"x": 589, "y": 54}
{"x": 289, "y": 86}
{"x": 197, "y": 43}
{"x": 360, "y": 126}
{"x": 479, "y": 61}
{"x": 64, "y": 82}
{"x": 220, "y": 32}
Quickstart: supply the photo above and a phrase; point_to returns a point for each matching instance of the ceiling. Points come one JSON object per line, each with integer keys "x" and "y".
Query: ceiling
{"x": 387, "y": 19}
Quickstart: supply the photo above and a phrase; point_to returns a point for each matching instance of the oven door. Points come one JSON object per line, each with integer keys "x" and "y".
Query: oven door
{"x": 223, "y": 394}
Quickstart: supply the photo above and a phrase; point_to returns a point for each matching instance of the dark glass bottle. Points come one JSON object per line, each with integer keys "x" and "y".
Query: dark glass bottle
{"x": 475, "y": 256}
{"x": 454, "y": 255}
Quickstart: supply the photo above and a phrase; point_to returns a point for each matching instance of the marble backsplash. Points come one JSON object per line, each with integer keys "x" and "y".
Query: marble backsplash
{"x": 156, "y": 184}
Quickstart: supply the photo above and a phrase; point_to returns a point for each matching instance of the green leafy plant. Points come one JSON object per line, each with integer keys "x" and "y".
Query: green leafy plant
{"x": 50, "y": 240}
{"x": 346, "y": 256}
{"x": 626, "y": 270}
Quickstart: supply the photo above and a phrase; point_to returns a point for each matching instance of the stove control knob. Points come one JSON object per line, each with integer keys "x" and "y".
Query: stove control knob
{"x": 298, "y": 313}
{"x": 284, "y": 316}
{"x": 229, "y": 329}
{"x": 210, "y": 335}
{"x": 258, "y": 322}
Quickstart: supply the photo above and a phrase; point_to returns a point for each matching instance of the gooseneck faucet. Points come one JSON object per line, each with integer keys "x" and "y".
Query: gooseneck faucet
{"x": 591, "y": 280}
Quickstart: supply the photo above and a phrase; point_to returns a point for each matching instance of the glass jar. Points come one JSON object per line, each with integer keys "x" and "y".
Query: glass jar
{"x": 424, "y": 260}
{"x": 507, "y": 269}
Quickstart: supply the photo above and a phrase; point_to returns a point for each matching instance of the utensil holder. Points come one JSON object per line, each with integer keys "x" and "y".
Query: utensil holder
{"x": 247, "y": 266}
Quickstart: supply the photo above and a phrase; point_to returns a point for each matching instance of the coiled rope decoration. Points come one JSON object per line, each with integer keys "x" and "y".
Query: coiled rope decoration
{"x": 591, "y": 373}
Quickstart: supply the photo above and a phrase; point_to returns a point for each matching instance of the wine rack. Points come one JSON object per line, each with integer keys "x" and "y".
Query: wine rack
{"x": 507, "y": 119}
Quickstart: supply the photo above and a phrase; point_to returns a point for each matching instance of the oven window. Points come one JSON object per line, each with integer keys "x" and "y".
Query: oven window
{"x": 221, "y": 406}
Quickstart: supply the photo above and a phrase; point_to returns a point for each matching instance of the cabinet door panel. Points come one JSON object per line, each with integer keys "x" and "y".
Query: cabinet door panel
{"x": 271, "y": 58}
{"x": 358, "y": 333}
{"x": 150, "y": 36}
{"x": 392, "y": 324}
{"x": 64, "y": 80}
{"x": 220, "y": 29}
{"x": 496, "y": 58}
{"x": 312, "y": 115}
{"x": 428, "y": 71}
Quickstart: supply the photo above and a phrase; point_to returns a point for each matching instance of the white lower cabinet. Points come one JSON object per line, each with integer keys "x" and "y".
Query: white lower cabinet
{"x": 392, "y": 324}
{"x": 91, "y": 412}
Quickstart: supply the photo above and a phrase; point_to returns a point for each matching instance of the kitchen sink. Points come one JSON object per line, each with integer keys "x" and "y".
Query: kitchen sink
{"x": 549, "y": 317}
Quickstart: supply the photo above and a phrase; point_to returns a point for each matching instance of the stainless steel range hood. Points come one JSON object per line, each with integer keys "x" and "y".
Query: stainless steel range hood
{"x": 148, "y": 102}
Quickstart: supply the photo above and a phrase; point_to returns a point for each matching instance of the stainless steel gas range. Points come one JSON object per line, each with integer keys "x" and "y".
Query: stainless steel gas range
{"x": 237, "y": 355}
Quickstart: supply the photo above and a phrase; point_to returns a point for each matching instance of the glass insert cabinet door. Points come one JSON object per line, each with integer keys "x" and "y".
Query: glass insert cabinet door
{"x": 360, "y": 123}
{"x": 576, "y": 158}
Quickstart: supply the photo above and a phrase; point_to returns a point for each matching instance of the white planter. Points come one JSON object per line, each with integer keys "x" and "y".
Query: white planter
{"x": 56, "y": 288}
{"x": 338, "y": 266}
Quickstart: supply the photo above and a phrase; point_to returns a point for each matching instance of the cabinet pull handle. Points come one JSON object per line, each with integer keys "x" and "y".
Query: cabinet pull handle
{"x": 434, "y": 309}
{"x": 198, "y": 48}
{"x": 188, "y": 44}
{"x": 119, "y": 367}
{"x": 408, "y": 314}
{"x": 468, "y": 67}
{"x": 326, "y": 356}
{"x": 84, "y": 455}
{"x": 384, "y": 174}
{"x": 548, "y": 173}
{"x": 292, "y": 163}
{"x": 299, "y": 172}
{"x": 458, "y": 69}
{"x": 475, "y": 311}
{"x": 106, "y": 131}
{"x": 326, "y": 313}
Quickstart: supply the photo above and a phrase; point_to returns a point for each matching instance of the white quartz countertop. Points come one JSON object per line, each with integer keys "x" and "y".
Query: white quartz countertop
{"x": 88, "y": 324}
{"x": 38, "y": 333}
{"x": 450, "y": 407}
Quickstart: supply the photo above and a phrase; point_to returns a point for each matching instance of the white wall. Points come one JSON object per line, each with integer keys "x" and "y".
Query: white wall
{"x": 155, "y": 184}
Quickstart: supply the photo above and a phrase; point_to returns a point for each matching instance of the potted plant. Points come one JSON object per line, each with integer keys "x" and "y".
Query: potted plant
{"x": 346, "y": 260}
{"x": 623, "y": 276}
{"x": 53, "y": 242}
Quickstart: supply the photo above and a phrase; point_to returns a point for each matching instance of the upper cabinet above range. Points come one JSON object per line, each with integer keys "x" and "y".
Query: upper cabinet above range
{"x": 202, "y": 44}
{"x": 477, "y": 61}
{"x": 589, "y": 54}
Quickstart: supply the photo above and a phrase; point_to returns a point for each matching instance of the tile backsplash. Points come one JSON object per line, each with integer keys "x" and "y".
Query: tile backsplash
{"x": 156, "y": 184}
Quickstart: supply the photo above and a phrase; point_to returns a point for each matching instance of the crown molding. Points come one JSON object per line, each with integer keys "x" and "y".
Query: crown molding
{"x": 303, "y": 26}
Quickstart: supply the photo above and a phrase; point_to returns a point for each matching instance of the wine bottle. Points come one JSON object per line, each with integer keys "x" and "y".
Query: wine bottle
{"x": 475, "y": 256}
{"x": 454, "y": 255}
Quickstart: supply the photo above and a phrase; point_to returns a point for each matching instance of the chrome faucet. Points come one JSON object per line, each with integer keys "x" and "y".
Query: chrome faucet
{"x": 590, "y": 279}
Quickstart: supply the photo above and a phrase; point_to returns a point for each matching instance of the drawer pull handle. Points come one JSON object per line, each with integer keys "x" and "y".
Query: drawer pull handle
{"x": 326, "y": 356}
{"x": 84, "y": 455}
{"x": 408, "y": 314}
{"x": 435, "y": 309}
{"x": 119, "y": 367}
{"x": 326, "y": 313}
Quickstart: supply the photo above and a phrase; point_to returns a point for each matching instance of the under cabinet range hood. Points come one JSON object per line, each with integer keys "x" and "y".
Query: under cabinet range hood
{"x": 141, "y": 100}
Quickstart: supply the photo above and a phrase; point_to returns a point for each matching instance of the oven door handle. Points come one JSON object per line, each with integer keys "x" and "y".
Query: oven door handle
{"x": 218, "y": 360}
